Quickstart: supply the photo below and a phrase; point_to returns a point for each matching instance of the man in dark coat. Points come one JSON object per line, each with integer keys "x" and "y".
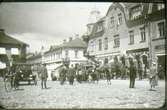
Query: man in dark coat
{"x": 44, "y": 75}
{"x": 108, "y": 75}
{"x": 71, "y": 75}
{"x": 132, "y": 70}
{"x": 62, "y": 74}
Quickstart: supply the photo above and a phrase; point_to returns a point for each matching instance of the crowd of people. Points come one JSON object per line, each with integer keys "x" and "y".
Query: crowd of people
{"x": 92, "y": 73}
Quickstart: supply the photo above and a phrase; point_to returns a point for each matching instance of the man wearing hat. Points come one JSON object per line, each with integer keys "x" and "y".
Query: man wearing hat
{"x": 44, "y": 76}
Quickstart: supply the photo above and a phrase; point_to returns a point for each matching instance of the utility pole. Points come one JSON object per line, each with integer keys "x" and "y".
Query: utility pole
{"x": 148, "y": 23}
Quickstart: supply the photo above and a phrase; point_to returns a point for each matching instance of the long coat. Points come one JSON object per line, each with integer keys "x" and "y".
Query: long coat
{"x": 153, "y": 77}
{"x": 132, "y": 71}
{"x": 44, "y": 73}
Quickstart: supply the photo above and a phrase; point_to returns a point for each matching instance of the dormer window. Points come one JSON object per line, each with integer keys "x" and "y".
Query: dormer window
{"x": 161, "y": 6}
{"x": 99, "y": 28}
{"x": 112, "y": 21}
{"x": 119, "y": 19}
{"x": 136, "y": 12}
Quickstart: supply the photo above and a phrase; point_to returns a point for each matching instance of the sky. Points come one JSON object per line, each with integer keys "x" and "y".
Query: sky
{"x": 47, "y": 23}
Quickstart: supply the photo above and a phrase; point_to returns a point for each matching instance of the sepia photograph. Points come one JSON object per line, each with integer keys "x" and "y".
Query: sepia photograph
{"x": 74, "y": 55}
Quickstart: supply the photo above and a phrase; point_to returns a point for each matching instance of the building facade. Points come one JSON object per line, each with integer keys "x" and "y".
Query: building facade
{"x": 135, "y": 29}
{"x": 11, "y": 50}
{"x": 71, "y": 52}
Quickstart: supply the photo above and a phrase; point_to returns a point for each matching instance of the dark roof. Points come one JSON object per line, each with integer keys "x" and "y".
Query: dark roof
{"x": 5, "y": 39}
{"x": 75, "y": 43}
{"x": 131, "y": 5}
{"x": 94, "y": 32}
{"x": 101, "y": 19}
{"x": 34, "y": 56}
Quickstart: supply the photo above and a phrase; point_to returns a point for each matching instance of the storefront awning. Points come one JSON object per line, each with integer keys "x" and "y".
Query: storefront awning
{"x": 137, "y": 50}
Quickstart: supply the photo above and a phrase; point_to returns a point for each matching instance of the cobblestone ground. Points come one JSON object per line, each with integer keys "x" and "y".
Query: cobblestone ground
{"x": 101, "y": 95}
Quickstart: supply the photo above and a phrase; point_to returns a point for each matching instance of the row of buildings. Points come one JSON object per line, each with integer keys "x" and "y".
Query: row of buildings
{"x": 136, "y": 29}
{"x": 71, "y": 52}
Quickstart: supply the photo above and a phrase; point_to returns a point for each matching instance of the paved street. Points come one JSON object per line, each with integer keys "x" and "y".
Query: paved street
{"x": 116, "y": 95}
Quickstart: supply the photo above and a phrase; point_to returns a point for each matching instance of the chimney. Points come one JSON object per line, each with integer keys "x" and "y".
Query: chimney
{"x": 70, "y": 39}
{"x": 64, "y": 41}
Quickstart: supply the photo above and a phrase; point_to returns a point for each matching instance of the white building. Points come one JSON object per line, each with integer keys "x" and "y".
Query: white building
{"x": 125, "y": 29}
{"x": 73, "y": 51}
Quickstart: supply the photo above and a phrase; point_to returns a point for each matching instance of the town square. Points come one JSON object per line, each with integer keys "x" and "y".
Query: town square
{"x": 82, "y": 55}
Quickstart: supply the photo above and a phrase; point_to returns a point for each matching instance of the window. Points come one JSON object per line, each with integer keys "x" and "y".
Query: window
{"x": 161, "y": 6}
{"x": 116, "y": 41}
{"x": 91, "y": 46}
{"x": 112, "y": 21}
{"x": 66, "y": 53}
{"x": 119, "y": 19}
{"x": 2, "y": 50}
{"x": 99, "y": 28}
{"x": 136, "y": 12}
{"x": 131, "y": 37}
{"x": 76, "y": 53}
{"x": 14, "y": 51}
{"x": 54, "y": 56}
{"x": 161, "y": 29}
{"x": 58, "y": 55}
{"x": 143, "y": 34}
{"x": 106, "y": 43}
{"x": 100, "y": 45}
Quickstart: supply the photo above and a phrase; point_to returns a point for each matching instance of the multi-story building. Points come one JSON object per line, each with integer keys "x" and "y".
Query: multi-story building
{"x": 128, "y": 28}
{"x": 71, "y": 51}
{"x": 11, "y": 50}
{"x": 157, "y": 27}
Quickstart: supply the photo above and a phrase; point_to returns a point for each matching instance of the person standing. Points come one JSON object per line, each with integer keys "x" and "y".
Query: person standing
{"x": 62, "y": 74}
{"x": 44, "y": 76}
{"x": 140, "y": 70}
{"x": 132, "y": 73}
{"x": 153, "y": 77}
{"x": 71, "y": 75}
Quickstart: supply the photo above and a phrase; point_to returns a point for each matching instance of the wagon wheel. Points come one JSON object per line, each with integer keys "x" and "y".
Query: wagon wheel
{"x": 8, "y": 86}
